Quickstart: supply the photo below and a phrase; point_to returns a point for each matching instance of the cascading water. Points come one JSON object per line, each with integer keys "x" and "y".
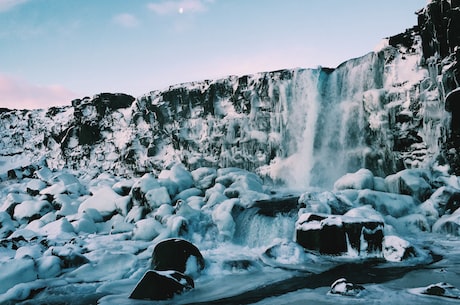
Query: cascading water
{"x": 255, "y": 230}
{"x": 301, "y": 103}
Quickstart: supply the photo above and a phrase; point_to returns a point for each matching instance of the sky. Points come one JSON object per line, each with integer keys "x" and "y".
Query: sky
{"x": 53, "y": 51}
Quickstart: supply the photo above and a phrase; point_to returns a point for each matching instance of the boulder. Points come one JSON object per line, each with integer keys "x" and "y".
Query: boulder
{"x": 103, "y": 200}
{"x": 396, "y": 249}
{"x": 204, "y": 177}
{"x": 386, "y": 203}
{"x": 7, "y": 225}
{"x": 31, "y": 209}
{"x": 185, "y": 194}
{"x": 161, "y": 285}
{"x": 146, "y": 183}
{"x": 276, "y": 205}
{"x": 345, "y": 288}
{"x": 182, "y": 177}
{"x": 448, "y": 224}
{"x": 362, "y": 179}
{"x": 174, "y": 254}
{"x": 412, "y": 182}
{"x": 442, "y": 290}
{"x": 339, "y": 235}
{"x": 157, "y": 197}
{"x": 34, "y": 186}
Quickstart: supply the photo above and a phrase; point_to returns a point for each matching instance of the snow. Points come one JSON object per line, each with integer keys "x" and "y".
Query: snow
{"x": 21, "y": 271}
{"x": 394, "y": 248}
{"x": 100, "y": 210}
{"x": 98, "y": 240}
{"x": 362, "y": 179}
{"x": 103, "y": 200}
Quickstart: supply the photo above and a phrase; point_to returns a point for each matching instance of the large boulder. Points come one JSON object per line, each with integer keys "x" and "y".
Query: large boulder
{"x": 339, "y": 235}
{"x": 395, "y": 205}
{"x": 448, "y": 224}
{"x": 140, "y": 188}
{"x": 412, "y": 182}
{"x": 161, "y": 285}
{"x": 204, "y": 177}
{"x": 362, "y": 179}
{"x": 276, "y": 205}
{"x": 177, "y": 254}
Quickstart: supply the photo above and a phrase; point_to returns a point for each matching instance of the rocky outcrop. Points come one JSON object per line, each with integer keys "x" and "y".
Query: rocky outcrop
{"x": 156, "y": 285}
{"x": 383, "y": 111}
{"x": 439, "y": 26}
{"x": 339, "y": 235}
{"x": 174, "y": 254}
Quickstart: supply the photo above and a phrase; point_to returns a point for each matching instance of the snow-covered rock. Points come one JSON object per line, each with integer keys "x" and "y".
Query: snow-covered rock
{"x": 31, "y": 209}
{"x": 48, "y": 266}
{"x": 147, "y": 229}
{"x": 157, "y": 196}
{"x": 448, "y": 224}
{"x": 204, "y": 177}
{"x": 140, "y": 188}
{"x": 362, "y": 179}
{"x": 345, "y": 288}
{"x": 396, "y": 249}
{"x": 413, "y": 182}
{"x": 103, "y": 200}
{"x": 182, "y": 177}
{"x": 339, "y": 235}
{"x": 16, "y": 272}
{"x": 387, "y": 203}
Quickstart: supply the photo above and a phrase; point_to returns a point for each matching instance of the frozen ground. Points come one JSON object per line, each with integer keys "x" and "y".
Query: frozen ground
{"x": 69, "y": 238}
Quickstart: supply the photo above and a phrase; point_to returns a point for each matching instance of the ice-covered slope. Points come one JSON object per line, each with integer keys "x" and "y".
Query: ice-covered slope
{"x": 383, "y": 111}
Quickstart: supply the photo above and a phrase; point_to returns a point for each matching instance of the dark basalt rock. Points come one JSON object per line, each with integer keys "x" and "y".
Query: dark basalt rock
{"x": 342, "y": 287}
{"x": 163, "y": 285}
{"x": 271, "y": 207}
{"x": 334, "y": 234}
{"x": 172, "y": 254}
{"x": 445, "y": 290}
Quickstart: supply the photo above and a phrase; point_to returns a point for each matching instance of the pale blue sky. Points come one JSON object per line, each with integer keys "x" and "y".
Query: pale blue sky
{"x": 52, "y": 51}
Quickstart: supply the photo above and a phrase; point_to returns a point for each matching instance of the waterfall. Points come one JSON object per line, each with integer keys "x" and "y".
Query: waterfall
{"x": 255, "y": 230}
{"x": 301, "y": 102}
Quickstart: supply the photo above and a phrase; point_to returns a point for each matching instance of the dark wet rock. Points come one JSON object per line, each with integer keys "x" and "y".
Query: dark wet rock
{"x": 444, "y": 290}
{"x": 343, "y": 287}
{"x": 276, "y": 205}
{"x": 239, "y": 265}
{"x": 173, "y": 254}
{"x": 161, "y": 285}
{"x": 72, "y": 260}
{"x": 334, "y": 234}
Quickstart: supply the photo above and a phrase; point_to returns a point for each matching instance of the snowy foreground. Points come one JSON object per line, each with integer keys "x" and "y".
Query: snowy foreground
{"x": 73, "y": 238}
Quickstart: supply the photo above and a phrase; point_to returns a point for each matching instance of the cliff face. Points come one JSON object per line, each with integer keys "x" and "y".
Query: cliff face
{"x": 383, "y": 111}
{"x": 439, "y": 26}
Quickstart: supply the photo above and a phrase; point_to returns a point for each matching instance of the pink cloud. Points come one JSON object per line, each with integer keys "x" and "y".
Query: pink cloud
{"x": 6, "y": 5}
{"x": 16, "y": 93}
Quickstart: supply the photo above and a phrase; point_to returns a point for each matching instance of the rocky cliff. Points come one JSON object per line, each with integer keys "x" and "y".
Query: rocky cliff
{"x": 384, "y": 111}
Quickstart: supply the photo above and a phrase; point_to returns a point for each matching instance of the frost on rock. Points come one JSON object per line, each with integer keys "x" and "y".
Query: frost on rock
{"x": 345, "y": 288}
{"x": 362, "y": 179}
{"x": 103, "y": 201}
{"x": 396, "y": 249}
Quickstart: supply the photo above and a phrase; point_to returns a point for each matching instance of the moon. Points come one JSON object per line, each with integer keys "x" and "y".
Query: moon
{"x": 181, "y": 10}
